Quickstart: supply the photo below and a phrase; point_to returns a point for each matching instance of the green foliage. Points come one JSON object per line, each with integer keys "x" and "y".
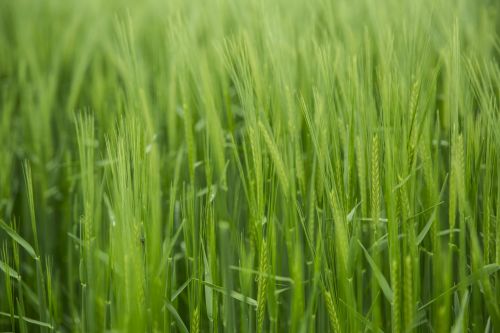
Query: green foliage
{"x": 250, "y": 166}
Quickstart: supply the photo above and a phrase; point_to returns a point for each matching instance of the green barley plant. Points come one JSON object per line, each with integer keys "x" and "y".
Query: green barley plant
{"x": 250, "y": 166}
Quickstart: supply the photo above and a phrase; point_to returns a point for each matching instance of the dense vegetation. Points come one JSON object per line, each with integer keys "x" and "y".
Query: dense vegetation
{"x": 241, "y": 166}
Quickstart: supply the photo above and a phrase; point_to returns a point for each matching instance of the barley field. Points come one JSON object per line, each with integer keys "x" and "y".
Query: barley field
{"x": 250, "y": 166}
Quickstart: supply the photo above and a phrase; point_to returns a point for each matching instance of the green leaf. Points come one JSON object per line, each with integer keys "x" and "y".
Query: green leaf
{"x": 208, "y": 291}
{"x": 234, "y": 294}
{"x": 28, "y": 320}
{"x": 386, "y": 289}
{"x": 15, "y": 236}
{"x": 179, "y": 291}
{"x": 458, "y": 327}
{"x": 9, "y": 270}
{"x": 425, "y": 230}
{"x": 472, "y": 278}
{"x": 178, "y": 319}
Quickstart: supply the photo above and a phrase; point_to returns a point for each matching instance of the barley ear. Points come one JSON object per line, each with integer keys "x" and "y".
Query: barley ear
{"x": 195, "y": 320}
{"x": 332, "y": 312}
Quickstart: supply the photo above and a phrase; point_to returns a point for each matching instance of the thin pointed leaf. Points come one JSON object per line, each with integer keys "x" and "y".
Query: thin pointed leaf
{"x": 386, "y": 289}
{"x": 9, "y": 270}
{"x": 15, "y": 236}
{"x": 28, "y": 320}
{"x": 180, "y": 323}
{"x": 458, "y": 327}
